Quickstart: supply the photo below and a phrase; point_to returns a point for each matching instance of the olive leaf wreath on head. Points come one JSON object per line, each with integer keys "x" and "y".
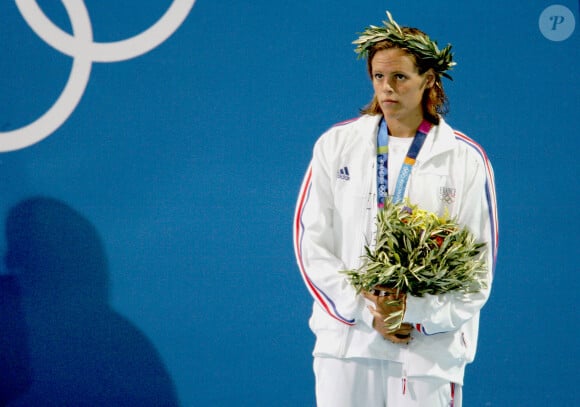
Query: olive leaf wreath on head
{"x": 418, "y": 44}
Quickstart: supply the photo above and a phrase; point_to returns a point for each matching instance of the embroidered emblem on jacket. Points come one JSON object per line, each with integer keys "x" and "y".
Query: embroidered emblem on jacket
{"x": 447, "y": 194}
{"x": 343, "y": 174}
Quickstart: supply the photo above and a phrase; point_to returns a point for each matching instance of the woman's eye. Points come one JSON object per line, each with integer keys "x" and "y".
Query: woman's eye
{"x": 400, "y": 76}
{"x": 378, "y": 76}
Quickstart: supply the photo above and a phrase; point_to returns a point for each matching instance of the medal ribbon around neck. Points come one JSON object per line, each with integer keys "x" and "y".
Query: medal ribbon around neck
{"x": 383, "y": 159}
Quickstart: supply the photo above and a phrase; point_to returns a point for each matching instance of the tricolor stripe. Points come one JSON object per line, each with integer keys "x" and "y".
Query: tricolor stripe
{"x": 452, "y": 395}
{"x": 319, "y": 296}
{"x": 421, "y": 328}
{"x": 354, "y": 119}
{"x": 490, "y": 194}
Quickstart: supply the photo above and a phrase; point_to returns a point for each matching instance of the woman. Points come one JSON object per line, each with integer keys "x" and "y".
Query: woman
{"x": 357, "y": 361}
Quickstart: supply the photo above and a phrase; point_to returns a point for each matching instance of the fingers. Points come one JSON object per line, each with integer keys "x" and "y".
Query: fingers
{"x": 388, "y": 292}
{"x": 388, "y": 307}
{"x": 405, "y": 328}
{"x": 400, "y": 336}
{"x": 369, "y": 296}
{"x": 378, "y": 316}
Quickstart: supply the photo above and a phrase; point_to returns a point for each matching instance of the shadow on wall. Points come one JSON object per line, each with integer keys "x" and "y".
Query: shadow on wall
{"x": 60, "y": 342}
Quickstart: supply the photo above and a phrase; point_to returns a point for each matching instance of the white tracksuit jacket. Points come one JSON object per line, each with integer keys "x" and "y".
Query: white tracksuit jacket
{"x": 335, "y": 217}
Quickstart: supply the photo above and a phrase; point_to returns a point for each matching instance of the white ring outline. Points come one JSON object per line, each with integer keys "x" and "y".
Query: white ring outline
{"x": 72, "y": 93}
{"x": 106, "y": 51}
{"x": 84, "y": 51}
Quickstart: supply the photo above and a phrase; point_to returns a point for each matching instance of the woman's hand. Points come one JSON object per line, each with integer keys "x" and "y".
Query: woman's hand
{"x": 383, "y": 309}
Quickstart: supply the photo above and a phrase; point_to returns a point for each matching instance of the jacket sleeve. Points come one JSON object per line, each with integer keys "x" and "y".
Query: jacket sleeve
{"x": 434, "y": 314}
{"x": 314, "y": 243}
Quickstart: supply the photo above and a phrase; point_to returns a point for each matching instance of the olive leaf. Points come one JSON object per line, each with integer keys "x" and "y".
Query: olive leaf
{"x": 418, "y": 44}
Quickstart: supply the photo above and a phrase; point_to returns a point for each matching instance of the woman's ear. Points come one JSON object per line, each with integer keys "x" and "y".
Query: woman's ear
{"x": 430, "y": 78}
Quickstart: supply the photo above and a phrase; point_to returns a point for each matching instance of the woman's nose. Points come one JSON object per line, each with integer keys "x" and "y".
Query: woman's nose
{"x": 387, "y": 87}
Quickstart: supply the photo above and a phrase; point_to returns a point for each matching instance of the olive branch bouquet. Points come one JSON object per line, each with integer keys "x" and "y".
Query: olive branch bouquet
{"x": 418, "y": 253}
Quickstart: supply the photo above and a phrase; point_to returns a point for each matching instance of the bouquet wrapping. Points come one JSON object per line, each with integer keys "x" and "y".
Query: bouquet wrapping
{"x": 418, "y": 253}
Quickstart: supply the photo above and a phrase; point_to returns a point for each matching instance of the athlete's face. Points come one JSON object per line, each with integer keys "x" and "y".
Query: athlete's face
{"x": 398, "y": 85}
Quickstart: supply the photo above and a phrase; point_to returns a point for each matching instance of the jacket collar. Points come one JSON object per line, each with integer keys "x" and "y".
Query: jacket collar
{"x": 440, "y": 139}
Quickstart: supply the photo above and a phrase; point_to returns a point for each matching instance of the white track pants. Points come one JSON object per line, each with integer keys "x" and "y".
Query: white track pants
{"x": 378, "y": 383}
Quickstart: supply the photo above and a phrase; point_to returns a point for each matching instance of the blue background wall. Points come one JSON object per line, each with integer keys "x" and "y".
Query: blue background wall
{"x": 187, "y": 162}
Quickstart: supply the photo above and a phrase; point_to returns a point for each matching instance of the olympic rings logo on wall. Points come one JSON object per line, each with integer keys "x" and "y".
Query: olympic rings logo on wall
{"x": 84, "y": 51}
